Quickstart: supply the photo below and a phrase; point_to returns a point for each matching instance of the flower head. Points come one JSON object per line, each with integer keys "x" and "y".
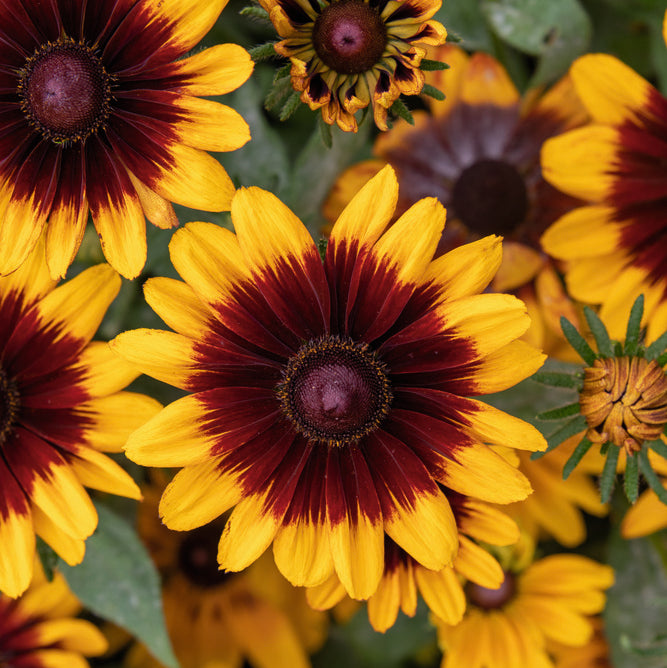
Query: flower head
{"x": 349, "y": 54}
{"x": 40, "y": 627}
{"x": 478, "y": 152}
{"x": 547, "y": 600}
{"x": 616, "y": 246}
{"x": 622, "y": 403}
{"x": 329, "y": 400}
{"x": 212, "y": 617}
{"x": 100, "y": 115}
{"x": 60, "y": 405}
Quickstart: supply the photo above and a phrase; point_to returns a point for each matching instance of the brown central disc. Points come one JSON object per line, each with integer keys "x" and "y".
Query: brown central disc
{"x": 490, "y": 197}
{"x": 492, "y": 599}
{"x": 335, "y": 391}
{"x": 198, "y": 556}
{"x": 65, "y": 91}
{"x": 9, "y": 405}
{"x": 349, "y": 36}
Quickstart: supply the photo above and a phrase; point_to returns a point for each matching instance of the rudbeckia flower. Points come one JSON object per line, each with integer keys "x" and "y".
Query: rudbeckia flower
{"x": 252, "y": 618}
{"x": 349, "y": 54}
{"x": 478, "y": 152}
{"x": 328, "y": 400}
{"x": 442, "y": 591}
{"x": 621, "y": 412}
{"x": 550, "y": 600}
{"x": 100, "y": 115}
{"x": 60, "y": 406}
{"x": 616, "y": 246}
{"x": 40, "y": 628}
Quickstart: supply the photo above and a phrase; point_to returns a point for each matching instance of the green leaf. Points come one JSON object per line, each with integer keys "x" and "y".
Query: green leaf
{"x": 631, "y": 479}
{"x": 427, "y": 65}
{"x": 466, "y": 24}
{"x": 118, "y": 582}
{"x": 555, "y": 32}
{"x": 608, "y": 477}
{"x": 651, "y": 476}
{"x": 557, "y": 379}
{"x": 262, "y": 52}
{"x": 312, "y": 176}
{"x": 636, "y": 607}
{"x": 659, "y": 447}
{"x": 599, "y": 332}
{"x": 560, "y": 413}
{"x": 573, "y": 461}
{"x": 568, "y": 429}
{"x": 634, "y": 326}
{"x": 577, "y": 341}
{"x": 263, "y": 160}
{"x": 399, "y": 109}
{"x": 656, "y": 348}
{"x": 433, "y": 92}
{"x": 293, "y": 101}
{"x": 255, "y": 12}
{"x": 357, "y": 645}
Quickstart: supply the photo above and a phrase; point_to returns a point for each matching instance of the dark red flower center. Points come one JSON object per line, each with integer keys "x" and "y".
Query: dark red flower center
{"x": 349, "y": 36}
{"x": 492, "y": 599}
{"x": 10, "y": 403}
{"x": 335, "y": 391}
{"x": 198, "y": 556}
{"x": 65, "y": 91}
{"x": 490, "y": 197}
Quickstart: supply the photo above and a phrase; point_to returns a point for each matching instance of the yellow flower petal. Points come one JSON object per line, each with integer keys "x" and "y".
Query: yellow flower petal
{"x": 215, "y": 71}
{"x": 178, "y": 305}
{"x": 197, "y": 495}
{"x": 167, "y": 356}
{"x": 580, "y": 161}
{"x": 611, "y": 90}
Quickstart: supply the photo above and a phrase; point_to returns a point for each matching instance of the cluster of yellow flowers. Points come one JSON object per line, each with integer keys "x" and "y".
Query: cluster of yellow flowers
{"x": 329, "y": 405}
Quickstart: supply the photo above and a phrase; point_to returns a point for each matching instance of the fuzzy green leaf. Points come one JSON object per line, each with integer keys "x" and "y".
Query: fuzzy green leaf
{"x": 568, "y": 429}
{"x": 292, "y": 104}
{"x": 600, "y": 332}
{"x": 634, "y": 326}
{"x": 433, "y": 92}
{"x": 634, "y": 616}
{"x": 608, "y": 477}
{"x": 118, "y": 582}
{"x": 576, "y": 456}
{"x": 262, "y": 52}
{"x": 577, "y": 341}
{"x": 651, "y": 476}
{"x": 279, "y": 91}
{"x": 399, "y": 109}
{"x": 427, "y": 65}
{"x": 659, "y": 447}
{"x": 282, "y": 72}
{"x": 655, "y": 350}
{"x": 560, "y": 413}
{"x": 557, "y": 379}
{"x": 255, "y": 12}
{"x": 631, "y": 479}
